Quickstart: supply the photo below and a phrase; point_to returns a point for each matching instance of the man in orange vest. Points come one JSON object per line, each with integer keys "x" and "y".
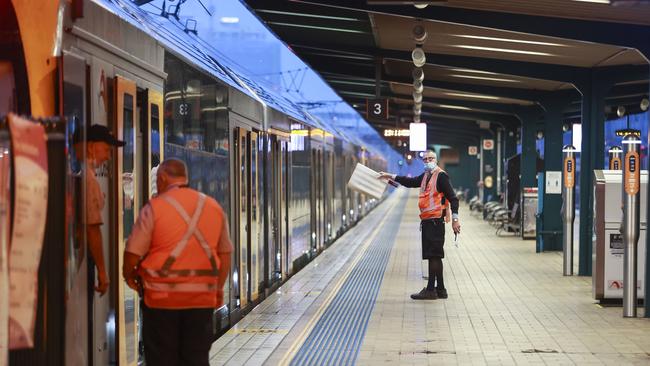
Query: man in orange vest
{"x": 436, "y": 196}
{"x": 178, "y": 254}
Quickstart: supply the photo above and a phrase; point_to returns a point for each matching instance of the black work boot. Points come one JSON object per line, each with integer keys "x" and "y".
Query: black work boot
{"x": 425, "y": 295}
{"x": 442, "y": 293}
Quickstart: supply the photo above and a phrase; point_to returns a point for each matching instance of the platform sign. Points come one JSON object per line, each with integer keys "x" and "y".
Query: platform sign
{"x": 377, "y": 108}
{"x": 488, "y": 144}
{"x": 418, "y": 137}
{"x": 472, "y": 150}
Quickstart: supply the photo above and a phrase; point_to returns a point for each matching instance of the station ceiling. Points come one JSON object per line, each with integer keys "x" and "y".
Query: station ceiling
{"x": 486, "y": 59}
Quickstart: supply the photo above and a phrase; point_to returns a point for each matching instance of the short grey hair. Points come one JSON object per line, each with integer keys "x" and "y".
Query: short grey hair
{"x": 173, "y": 167}
{"x": 432, "y": 152}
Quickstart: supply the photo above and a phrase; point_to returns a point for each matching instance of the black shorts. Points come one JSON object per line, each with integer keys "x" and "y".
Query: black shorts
{"x": 433, "y": 238}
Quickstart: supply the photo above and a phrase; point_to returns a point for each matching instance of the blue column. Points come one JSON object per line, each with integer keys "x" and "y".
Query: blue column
{"x": 551, "y": 220}
{"x": 593, "y": 91}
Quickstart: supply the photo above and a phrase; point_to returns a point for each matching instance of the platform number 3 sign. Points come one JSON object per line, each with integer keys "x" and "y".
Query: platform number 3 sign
{"x": 377, "y": 108}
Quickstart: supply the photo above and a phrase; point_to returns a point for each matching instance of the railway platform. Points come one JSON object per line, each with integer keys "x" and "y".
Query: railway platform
{"x": 507, "y": 305}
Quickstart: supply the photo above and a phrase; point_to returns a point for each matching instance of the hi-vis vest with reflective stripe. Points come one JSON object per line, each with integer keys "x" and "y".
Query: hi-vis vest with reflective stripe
{"x": 181, "y": 268}
{"x": 430, "y": 202}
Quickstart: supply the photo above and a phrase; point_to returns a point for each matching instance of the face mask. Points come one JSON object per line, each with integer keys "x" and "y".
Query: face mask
{"x": 431, "y": 165}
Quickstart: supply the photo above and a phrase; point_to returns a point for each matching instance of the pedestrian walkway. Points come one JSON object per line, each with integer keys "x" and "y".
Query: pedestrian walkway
{"x": 507, "y": 305}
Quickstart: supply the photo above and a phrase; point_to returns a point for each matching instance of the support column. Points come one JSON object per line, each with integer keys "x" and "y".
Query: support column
{"x": 551, "y": 230}
{"x": 591, "y": 157}
{"x": 528, "y": 161}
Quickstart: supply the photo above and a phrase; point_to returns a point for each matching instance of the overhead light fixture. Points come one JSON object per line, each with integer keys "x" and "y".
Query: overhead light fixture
{"x": 419, "y": 57}
{"x": 417, "y": 97}
{"x": 418, "y": 87}
{"x": 473, "y": 71}
{"x": 416, "y": 118}
{"x": 484, "y": 78}
{"x": 419, "y": 104}
{"x": 620, "y": 111}
{"x": 506, "y": 50}
{"x": 594, "y": 1}
{"x": 229, "y": 20}
{"x": 477, "y": 96}
{"x": 450, "y": 106}
{"x": 418, "y": 74}
{"x": 417, "y": 110}
{"x": 420, "y": 5}
{"x": 645, "y": 103}
{"x": 484, "y": 38}
{"x": 419, "y": 33}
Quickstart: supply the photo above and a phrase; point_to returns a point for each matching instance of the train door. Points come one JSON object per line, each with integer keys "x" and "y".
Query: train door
{"x": 153, "y": 129}
{"x": 285, "y": 184}
{"x": 127, "y": 210}
{"x": 240, "y": 225}
{"x": 76, "y": 286}
{"x": 327, "y": 196}
{"x": 277, "y": 263}
{"x": 256, "y": 249}
{"x": 316, "y": 192}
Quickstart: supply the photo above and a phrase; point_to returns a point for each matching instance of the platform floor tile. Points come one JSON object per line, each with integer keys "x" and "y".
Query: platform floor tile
{"x": 507, "y": 305}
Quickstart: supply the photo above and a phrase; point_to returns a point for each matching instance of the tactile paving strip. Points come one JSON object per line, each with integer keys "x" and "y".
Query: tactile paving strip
{"x": 338, "y": 334}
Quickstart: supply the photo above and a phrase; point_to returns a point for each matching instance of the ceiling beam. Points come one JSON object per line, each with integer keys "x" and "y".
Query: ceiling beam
{"x": 628, "y": 35}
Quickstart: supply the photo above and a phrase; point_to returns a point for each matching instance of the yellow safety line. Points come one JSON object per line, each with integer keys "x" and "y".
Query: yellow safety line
{"x": 291, "y": 352}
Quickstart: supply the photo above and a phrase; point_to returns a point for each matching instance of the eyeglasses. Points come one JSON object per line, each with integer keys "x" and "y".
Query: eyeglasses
{"x": 428, "y": 158}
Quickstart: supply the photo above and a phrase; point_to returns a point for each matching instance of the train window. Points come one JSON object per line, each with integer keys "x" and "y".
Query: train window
{"x": 196, "y": 127}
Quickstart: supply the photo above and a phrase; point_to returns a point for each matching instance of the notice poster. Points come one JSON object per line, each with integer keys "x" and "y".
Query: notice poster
{"x": 5, "y": 212}
{"x": 29, "y": 215}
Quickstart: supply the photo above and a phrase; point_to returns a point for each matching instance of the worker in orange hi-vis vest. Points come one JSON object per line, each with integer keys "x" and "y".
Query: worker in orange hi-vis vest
{"x": 436, "y": 199}
{"x": 178, "y": 257}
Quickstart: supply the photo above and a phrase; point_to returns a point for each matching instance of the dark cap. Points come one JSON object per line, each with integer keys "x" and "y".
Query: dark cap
{"x": 98, "y": 133}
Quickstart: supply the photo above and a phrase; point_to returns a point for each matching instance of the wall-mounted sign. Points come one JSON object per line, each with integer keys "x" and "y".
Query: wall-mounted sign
{"x": 377, "y": 108}
{"x": 488, "y": 144}
{"x": 397, "y": 132}
{"x": 553, "y": 185}
{"x": 472, "y": 150}
{"x": 30, "y": 208}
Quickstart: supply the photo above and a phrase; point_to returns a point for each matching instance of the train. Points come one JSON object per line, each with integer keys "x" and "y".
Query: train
{"x": 279, "y": 173}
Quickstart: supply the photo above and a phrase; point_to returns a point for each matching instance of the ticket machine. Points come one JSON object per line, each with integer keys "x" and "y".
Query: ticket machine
{"x": 608, "y": 249}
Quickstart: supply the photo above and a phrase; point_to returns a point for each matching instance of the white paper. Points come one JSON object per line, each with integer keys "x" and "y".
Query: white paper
{"x": 366, "y": 181}
{"x": 30, "y": 207}
{"x": 553, "y": 182}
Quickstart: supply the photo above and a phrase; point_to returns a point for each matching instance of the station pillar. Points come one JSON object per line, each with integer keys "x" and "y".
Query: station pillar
{"x": 551, "y": 231}
{"x": 592, "y": 150}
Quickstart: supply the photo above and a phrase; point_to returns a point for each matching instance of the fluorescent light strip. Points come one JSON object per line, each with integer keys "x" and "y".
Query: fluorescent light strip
{"x": 319, "y": 28}
{"x": 594, "y": 1}
{"x": 477, "y": 96}
{"x": 507, "y": 50}
{"x": 511, "y": 40}
{"x": 449, "y": 106}
{"x": 473, "y": 71}
{"x": 484, "y": 78}
{"x": 306, "y": 15}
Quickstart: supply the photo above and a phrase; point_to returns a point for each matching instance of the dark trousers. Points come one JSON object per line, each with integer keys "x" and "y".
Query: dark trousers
{"x": 177, "y": 337}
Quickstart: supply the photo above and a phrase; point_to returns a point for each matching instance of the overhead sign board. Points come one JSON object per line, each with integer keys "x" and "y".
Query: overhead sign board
{"x": 488, "y": 144}
{"x": 377, "y": 108}
{"x": 472, "y": 150}
{"x": 418, "y": 137}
